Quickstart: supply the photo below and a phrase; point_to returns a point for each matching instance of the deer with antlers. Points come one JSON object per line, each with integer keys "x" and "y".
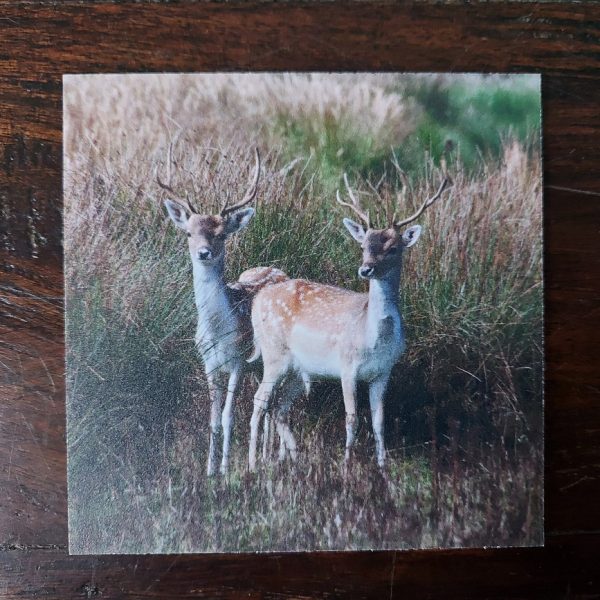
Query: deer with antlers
{"x": 304, "y": 330}
{"x": 224, "y": 332}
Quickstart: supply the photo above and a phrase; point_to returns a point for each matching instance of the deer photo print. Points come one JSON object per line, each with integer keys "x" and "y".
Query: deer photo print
{"x": 303, "y": 311}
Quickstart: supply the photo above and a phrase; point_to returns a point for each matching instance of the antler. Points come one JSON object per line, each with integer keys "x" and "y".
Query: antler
{"x": 250, "y": 193}
{"x": 447, "y": 182}
{"x": 355, "y": 206}
{"x": 167, "y": 187}
{"x": 176, "y": 197}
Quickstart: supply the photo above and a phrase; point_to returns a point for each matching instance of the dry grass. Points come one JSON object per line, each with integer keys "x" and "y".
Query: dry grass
{"x": 134, "y": 116}
{"x": 463, "y": 414}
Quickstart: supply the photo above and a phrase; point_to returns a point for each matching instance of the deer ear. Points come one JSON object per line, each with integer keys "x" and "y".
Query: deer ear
{"x": 178, "y": 213}
{"x": 355, "y": 230}
{"x": 238, "y": 220}
{"x": 411, "y": 235}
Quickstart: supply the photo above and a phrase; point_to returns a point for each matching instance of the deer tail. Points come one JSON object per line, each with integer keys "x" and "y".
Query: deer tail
{"x": 256, "y": 352}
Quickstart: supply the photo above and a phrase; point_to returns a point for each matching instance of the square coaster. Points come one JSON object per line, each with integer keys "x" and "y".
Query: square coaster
{"x": 304, "y": 311}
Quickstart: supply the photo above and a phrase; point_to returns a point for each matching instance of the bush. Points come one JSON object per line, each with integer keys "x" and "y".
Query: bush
{"x": 477, "y": 115}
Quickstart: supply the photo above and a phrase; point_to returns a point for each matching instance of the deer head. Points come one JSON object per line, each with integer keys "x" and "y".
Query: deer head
{"x": 207, "y": 233}
{"x": 383, "y": 248}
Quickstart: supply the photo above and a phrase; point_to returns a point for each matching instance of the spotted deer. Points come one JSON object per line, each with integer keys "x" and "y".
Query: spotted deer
{"x": 305, "y": 330}
{"x": 224, "y": 332}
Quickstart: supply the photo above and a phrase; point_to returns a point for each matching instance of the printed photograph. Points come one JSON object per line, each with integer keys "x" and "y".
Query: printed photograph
{"x": 304, "y": 311}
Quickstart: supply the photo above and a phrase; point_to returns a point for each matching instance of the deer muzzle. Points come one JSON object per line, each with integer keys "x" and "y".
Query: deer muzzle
{"x": 204, "y": 253}
{"x": 366, "y": 271}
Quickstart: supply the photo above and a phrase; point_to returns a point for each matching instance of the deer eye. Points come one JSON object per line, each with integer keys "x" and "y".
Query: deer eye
{"x": 189, "y": 234}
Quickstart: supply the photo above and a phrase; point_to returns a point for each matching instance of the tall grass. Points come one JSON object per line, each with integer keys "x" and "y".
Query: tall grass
{"x": 463, "y": 412}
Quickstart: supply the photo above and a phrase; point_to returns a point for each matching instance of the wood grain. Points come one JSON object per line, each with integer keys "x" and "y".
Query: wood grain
{"x": 566, "y": 568}
{"x": 41, "y": 41}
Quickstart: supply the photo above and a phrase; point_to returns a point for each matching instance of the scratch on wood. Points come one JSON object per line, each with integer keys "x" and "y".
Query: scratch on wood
{"x": 165, "y": 572}
{"x": 574, "y": 483}
{"x": 561, "y": 188}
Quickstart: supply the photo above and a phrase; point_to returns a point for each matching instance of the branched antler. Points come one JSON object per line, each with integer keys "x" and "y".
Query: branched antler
{"x": 174, "y": 194}
{"x": 167, "y": 186}
{"x": 446, "y": 182}
{"x": 250, "y": 193}
{"x": 355, "y": 206}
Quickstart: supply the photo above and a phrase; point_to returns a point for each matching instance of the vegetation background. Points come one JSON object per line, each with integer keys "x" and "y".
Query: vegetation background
{"x": 464, "y": 412}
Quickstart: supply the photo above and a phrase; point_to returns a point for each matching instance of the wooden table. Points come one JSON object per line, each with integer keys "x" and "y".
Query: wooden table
{"x": 41, "y": 40}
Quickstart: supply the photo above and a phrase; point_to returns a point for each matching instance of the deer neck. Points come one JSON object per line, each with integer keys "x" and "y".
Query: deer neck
{"x": 210, "y": 288}
{"x": 382, "y": 307}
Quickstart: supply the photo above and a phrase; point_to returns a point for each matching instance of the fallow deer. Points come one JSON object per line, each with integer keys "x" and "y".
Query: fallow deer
{"x": 224, "y": 333}
{"x": 305, "y": 330}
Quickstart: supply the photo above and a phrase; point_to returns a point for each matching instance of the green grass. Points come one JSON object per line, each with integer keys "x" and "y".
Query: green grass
{"x": 334, "y": 146}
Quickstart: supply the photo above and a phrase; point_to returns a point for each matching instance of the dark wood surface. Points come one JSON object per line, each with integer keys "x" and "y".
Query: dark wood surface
{"x": 41, "y": 40}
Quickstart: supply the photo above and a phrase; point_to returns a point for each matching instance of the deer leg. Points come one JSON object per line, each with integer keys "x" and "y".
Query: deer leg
{"x": 279, "y": 424}
{"x": 286, "y": 437}
{"x": 266, "y": 436}
{"x": 227, "y": 416}
{"x": 292, "y": 389}
{"x": 349, "y": 391}
{"x": 267, "y": 441}
{"x": 376, "y": 395}
{"x": 215, "y": 391}
{"x": 261, "y": 403}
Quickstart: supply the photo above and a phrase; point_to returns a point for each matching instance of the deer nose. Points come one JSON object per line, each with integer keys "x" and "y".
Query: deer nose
{"x": 366, "y": 271}
{"x": 204, "y": 253}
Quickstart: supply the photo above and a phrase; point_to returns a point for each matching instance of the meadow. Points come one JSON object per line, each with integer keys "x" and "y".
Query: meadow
{"x": 464, "y": 410}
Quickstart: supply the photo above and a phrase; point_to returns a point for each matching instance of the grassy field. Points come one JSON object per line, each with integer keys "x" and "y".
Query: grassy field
{"x": 464, "y": 409}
